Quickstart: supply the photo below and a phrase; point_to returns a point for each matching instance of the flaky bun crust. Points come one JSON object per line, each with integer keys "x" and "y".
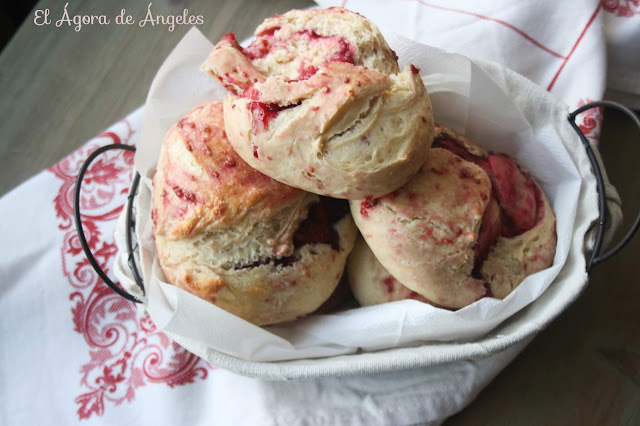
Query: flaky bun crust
{"x": 232, "y": 236}
{"x": 318, "y": 103}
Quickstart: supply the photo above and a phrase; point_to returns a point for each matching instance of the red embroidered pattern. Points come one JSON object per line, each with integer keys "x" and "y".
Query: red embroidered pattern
{"x": 125, "y": 349}
{"x": 624, "y": 8}
{"x": 591, "y": 121}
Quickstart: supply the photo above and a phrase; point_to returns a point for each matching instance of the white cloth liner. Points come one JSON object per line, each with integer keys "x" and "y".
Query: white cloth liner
{"x": 34, "y": 290}
{"x": 498, "y": 108}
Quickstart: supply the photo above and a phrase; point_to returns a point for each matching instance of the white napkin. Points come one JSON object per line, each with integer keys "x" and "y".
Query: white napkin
{"x": 558, "y": 44}
{"x": 106, "y": 364}
{"x": 622, "y": 31}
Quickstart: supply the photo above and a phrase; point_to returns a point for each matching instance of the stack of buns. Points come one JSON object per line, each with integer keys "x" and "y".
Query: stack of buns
{"x": 470, "y": 224}
{"x": 258, "y": 199}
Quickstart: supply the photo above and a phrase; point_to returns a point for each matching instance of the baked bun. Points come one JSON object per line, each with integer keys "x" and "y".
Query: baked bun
{"x": 294, "y": 45}
{"x": 370, "y": 282}
{"x": 470, "y": 224}
{"x": 322, "y": 106}
{"x": 255, "y": 247}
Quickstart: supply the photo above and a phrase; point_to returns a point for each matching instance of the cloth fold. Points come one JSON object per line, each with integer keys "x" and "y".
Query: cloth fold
{"x": 106, "y": 363}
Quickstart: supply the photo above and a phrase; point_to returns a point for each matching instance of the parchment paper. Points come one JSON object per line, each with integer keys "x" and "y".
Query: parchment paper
{"x": 464, "y": 98}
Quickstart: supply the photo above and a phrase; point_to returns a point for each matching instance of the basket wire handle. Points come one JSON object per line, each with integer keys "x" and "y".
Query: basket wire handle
{"x": 130, "y": 230}
{"x": 78, "y": 222}
{"x": 596, "y": 258}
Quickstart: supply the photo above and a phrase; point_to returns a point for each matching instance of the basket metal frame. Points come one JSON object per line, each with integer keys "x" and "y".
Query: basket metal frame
{"x": 595, "y": 259}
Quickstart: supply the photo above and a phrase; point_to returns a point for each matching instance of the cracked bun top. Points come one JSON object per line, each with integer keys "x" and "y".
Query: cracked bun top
{"x": 470, "y": 224}
{"x": 225, "y": 232}
{"x": 318, "y": 103}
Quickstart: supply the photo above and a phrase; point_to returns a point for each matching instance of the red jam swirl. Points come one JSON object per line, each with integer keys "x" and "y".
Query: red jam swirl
{"x": 515, "y": 205}
{"x": 316, "y": 228}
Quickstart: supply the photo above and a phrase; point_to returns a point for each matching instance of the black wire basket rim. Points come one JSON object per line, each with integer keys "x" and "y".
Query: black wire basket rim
{"x": 595, "y": 259}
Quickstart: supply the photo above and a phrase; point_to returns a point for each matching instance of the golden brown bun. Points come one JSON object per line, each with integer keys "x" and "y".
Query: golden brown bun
{"x": 255, "y": 247}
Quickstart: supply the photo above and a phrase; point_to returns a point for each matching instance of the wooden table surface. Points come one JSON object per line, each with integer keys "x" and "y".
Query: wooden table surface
{"x": 61, "y": 87}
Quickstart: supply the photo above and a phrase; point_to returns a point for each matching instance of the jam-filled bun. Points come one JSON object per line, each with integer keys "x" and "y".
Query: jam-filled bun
{"x": 294, "y": 45}
{"x": 255, "y": 247}
{"x": 370, "y": 282}
{"x": 319, "y": 103}
{"x": 470, "y": 224}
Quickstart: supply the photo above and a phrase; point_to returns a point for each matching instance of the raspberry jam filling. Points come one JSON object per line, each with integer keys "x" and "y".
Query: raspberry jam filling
{"x": 266, "y": 42}
{"x": 519, "y": 196}
{"x": 231, "y": 39}
{"x": 366, "y": 205}
{"x": 317, "y": 228}
{"x": 262, "y": 45}
{"x": 263, "y": 113}
{"x": 515, "y": 205}
{"x": 306, "y": 71}
{"x": 344, "y": 52}
{"x": 490, "y": 230}
{"x": 184, "y": 194}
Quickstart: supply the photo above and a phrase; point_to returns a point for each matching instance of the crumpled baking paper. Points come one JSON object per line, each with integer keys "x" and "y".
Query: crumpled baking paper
{"x": 465, "y": 98}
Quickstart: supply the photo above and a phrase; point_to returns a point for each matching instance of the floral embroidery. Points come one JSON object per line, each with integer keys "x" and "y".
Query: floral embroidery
{"x": 623, "y": 8}
{"x": 125, "y": 349}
